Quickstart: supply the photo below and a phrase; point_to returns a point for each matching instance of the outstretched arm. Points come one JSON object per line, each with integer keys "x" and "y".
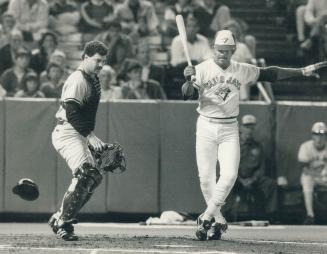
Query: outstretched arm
{"x": 274, "y": 73}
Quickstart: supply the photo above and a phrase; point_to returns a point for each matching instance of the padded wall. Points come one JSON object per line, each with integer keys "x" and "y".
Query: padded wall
{"x": 179, "y": 184}
{"x": 2, "y": 154}
{"x": 135, "y": 124}
{"x": 294, "y": 122}
{"x": 265, "y": 130}
{"x": 97, "y": 203}
{"x": 29, "y": 154}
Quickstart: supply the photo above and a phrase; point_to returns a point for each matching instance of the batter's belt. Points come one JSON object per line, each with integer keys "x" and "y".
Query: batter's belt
{"x": 227, "y": 120}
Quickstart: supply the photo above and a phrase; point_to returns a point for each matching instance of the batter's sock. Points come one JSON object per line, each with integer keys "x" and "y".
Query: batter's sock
{"x": 220, "y": 218}
{"x": 211, "y": 211}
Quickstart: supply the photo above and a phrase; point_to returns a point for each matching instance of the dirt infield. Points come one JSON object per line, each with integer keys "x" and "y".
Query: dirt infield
{"x": 101, "y": 238}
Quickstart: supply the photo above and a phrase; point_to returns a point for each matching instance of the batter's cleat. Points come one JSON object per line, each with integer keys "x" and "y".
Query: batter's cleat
{"x": 202, "y": 228}
{"x": 309, "y": 220}
{"x": 216, "y": 230}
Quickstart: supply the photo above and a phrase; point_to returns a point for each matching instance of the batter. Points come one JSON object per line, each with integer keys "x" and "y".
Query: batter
{"x": 217, "y": 83}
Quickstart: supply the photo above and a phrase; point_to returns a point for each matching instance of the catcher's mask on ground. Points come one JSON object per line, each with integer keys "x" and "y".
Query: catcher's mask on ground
{"x": 26, "y": 189}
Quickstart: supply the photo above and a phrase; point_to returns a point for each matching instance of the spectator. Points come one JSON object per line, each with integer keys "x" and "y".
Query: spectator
{"x": 312, "y": 13}
{"x": 64, "y": 17}
{"x": 149, "y": 70}
{"x": 138, "y": 18}
{"x": 212, "y": 16}
{"x": 7, "y": 25}
{"x": 32, "y": 17}
{"x": 296, "y": 10}
{"x": 322, "y": 31}
{"x": 41, "y": 56}
{"x": 197, "y": 44}
{"x": 182, "y": 7}
{"x": 53, "y": 87}
{"x": 30, "y": 86}
{"x": 95, "y": 14}
{"x": 313, "y": 158}
{"x": 7, "y": 52}
{"x": 120, "y": 45}
{"x": 58, "y": 57}
{"x": 251, "y": 174}
{"x": 108, "y": 81}
{"x": 11, "y": 78}
{"x": 135, "y": 88}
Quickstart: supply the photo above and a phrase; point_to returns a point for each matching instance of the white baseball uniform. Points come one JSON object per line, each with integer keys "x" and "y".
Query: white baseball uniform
{"x": 69, "y": 143}
{"x": 317, "y": 161}
{"x": 217, "y": 136}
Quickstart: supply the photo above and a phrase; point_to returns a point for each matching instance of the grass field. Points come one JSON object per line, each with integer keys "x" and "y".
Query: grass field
{"x": 102, "y": 238}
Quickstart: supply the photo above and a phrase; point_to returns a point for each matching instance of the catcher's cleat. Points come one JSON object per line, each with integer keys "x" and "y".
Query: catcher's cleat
{"x": 216, "y": 230}
{"x": 65, "y": 235}
{"x": 202, "y": 228}
{"x": 68, "y": 225}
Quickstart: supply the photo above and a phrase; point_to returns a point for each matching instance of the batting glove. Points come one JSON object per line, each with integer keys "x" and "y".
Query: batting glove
{"x": 310, "y": 69}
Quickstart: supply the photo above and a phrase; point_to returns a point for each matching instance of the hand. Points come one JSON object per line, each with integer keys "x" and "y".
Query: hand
{"x": 189, "y": 71}
{"x": 96, "y": 144}
{"x": 310, "y": 69}
{"x": 282, "y": 181}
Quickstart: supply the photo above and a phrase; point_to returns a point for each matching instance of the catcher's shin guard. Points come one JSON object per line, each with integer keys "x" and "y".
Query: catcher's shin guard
{"x": 85, "y": 180}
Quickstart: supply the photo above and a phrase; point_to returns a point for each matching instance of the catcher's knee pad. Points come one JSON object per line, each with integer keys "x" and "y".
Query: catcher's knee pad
{"x": 88, "y": 177}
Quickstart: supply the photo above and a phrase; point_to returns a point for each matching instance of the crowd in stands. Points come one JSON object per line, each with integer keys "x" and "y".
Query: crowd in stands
{"x": 44, "y": 38}
{"x": 310, "y": 19}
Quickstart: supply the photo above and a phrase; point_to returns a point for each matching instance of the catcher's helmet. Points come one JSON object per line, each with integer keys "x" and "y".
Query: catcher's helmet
{"x": 26, "y": 189}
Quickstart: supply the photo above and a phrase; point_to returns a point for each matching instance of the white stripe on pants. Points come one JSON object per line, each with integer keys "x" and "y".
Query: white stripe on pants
{"x": 217, "y": 141}
{"x": 72, "y": 146}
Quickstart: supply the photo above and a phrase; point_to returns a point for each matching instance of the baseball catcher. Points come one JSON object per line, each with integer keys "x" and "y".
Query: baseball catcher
{"x": 87, "y": 156}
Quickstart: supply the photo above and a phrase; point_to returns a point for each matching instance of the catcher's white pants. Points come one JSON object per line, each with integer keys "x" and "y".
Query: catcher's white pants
{"x": 217, "y": 140}
{"x": 72, "y": 146}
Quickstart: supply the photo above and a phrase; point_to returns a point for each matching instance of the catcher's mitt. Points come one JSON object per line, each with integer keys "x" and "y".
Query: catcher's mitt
{"x": 26, "y": 189}
{"x": 111, "y": 159}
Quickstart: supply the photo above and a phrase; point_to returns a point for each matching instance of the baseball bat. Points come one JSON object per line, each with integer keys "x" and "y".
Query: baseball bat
{"x": 182, "y": 34}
